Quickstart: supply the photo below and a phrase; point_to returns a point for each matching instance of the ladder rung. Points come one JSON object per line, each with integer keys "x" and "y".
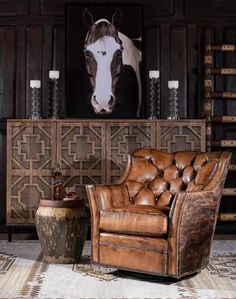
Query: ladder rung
{"x": 224, "y": 118}
{"x": 224, "y": 95}
{"x": 229, "y": 191}
{"x": 223, "y": 47}
{"x": 224, "y": 143}
{"x": 227, "y": 216}
{"x": 224, "y": 71}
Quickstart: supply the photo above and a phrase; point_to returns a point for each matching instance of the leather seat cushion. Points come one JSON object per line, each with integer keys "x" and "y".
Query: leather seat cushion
{"x": 140, "y": 220}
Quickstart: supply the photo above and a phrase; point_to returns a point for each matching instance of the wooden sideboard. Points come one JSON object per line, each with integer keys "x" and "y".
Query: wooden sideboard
{"x": 88, "y": 152}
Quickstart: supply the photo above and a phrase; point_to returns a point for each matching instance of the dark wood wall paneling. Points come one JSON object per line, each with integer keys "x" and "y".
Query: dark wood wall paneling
{"x": 14, "y": 7}
{"x": 151, "y": 7}
{"x": 215, "y": 8}
{"x": 7, "y": 70}
{"x": 2, "y": 173}
{"x": 32, "y": 38}
{"x": 34, "y": 61}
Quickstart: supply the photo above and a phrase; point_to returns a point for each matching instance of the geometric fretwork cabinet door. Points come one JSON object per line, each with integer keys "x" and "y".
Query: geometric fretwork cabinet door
{"x": 123, "y": 137}
{"x": 187, "y": 135}
{"x": 81, "y": 153}
{"x": 31, "y": 147}
{"x": 220, "y": 112}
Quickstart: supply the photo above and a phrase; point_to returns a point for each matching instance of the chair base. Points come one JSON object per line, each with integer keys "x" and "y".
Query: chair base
{"x": 167, "y": 280}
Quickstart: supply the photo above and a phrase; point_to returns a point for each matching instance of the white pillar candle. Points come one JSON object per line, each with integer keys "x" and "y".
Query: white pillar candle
{"x": 35, "y": 83}
{"x": 173, "y": 84}
{"x": 54, "y": 74}
{"x": 154, "y": 74}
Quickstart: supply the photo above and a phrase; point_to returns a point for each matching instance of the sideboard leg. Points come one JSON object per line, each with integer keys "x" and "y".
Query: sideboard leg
{"x": 9, "y": 233}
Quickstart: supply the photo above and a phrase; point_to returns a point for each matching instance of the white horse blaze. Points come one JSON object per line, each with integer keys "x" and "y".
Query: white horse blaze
{"x": 103, "y": 51}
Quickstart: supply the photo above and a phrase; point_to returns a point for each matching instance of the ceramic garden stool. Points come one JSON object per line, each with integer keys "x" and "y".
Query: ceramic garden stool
{"x": 62, "y": 229}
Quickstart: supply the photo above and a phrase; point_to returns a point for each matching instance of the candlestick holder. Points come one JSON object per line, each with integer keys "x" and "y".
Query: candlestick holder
{"x": 35, "y": 98}
{"x": 154, "y": 95}
{"x": 173, "y": 100}
{"x": 55, "y": 99}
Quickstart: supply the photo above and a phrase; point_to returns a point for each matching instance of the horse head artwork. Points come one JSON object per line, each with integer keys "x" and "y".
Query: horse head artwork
{"x": 106, "y": 52}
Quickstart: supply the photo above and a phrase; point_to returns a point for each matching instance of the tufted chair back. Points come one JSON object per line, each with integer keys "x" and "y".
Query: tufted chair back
{"x": 154, "y": 177}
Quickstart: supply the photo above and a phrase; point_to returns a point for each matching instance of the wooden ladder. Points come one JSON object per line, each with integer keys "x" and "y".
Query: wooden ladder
{"x": 211, "y": 96}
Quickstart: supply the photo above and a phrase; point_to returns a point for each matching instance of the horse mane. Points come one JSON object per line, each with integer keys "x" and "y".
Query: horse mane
{"x": 132, "y": 56}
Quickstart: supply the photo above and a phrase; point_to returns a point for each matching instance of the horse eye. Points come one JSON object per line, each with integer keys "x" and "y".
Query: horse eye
{"x": 119, "y": 52}
{"x": 86, "y": 52}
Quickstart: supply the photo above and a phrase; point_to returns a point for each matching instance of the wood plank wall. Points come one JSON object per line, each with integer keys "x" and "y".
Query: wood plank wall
{"x": 32, "y": 41}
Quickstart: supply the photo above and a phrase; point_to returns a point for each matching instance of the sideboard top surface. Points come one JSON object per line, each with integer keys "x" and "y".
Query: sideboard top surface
{"x": 69, "y": 120}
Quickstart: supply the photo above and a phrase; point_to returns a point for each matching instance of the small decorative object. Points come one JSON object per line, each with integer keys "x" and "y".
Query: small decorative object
{"x": 173, "y": 100}
{"x": 55, "y": 104}
{"x": 35, "y": 108}
{"x": 70, "y": 193}
{"x": 154, "y": 94}
{"x": 57, "y": 183}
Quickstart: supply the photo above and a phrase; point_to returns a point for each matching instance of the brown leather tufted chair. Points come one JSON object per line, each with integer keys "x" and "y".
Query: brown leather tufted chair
{"x": 160, "y": 216}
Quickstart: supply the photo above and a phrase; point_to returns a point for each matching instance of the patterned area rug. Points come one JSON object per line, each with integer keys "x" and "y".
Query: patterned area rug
{"x": 24, "y": 275}
{"x": 5, "y": 262}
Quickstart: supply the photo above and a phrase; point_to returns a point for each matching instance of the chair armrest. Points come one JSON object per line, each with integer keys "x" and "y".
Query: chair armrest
{"x": 103, "y": 197}
{"x": 192, "y": 222}
{"x": 107, "y": 196}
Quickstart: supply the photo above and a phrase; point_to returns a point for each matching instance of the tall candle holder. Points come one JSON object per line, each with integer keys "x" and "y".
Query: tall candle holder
{"x": 55, "y": 104}
{"x": 35, "y": 107}
{"x": 154, "y": 95}
{"x": 173, "y": 100}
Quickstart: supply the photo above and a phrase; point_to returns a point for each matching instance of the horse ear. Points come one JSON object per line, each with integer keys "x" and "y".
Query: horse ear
{"x": 117, "y": 18}
{"x": 87, "y": 18}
